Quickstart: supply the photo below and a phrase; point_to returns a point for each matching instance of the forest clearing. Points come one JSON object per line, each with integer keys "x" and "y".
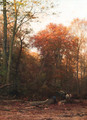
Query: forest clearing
{"x": 43, "y": 60}
{"x": 20, "y": 110}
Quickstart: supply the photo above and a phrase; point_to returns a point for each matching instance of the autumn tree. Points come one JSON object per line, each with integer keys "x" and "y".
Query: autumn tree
{"x": 14, "y": 10}
{"x": 56, "y": 46}
{"x": 27, "y": 73}
{"x": 78, "y": 28}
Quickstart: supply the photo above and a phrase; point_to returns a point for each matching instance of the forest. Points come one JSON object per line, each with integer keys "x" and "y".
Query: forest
{"x": 49, "y": 82}
{"x": 58, "y": 64}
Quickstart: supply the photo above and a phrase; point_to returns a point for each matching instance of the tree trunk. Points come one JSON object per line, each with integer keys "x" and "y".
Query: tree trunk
{"x": 16, "y": 82}
{"x": 4, "y": 39}
{"x": 19, "y": 56}
{"x": 78, "y": 87}
{"x": 11, "y": 46}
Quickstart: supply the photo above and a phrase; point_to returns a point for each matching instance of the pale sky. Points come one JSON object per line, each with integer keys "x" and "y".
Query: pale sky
{"x": 70, "y": 9}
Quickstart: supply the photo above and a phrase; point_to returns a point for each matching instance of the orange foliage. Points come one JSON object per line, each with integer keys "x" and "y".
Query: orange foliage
{"x": 56, "y": 46}
{"x": 54, "y": 38}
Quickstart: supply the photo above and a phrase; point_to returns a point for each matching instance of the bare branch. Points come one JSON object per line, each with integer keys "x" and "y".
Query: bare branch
{"x": 1, "y": 87}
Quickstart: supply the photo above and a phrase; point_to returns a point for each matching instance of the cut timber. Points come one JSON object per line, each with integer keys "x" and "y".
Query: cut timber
{"x": 48, "y": 102}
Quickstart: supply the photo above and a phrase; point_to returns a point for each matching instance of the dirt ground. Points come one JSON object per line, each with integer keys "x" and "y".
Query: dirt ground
{"x": 19, "y": 110}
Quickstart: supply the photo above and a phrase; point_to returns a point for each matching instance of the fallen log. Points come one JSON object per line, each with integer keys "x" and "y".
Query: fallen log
{"x": 47, "y": 101}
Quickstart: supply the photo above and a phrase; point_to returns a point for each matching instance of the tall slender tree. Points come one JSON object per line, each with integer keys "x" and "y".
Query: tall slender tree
{"x": 5, "y": 38}
{"x": 79, "y": 28}
{"x": 12, "y": 42}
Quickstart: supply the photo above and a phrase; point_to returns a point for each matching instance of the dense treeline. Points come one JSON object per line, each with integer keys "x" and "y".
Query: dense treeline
{"x": 63, "y": 57}
{"x": 54, "y": 67}
{"x": 59, "y": 64}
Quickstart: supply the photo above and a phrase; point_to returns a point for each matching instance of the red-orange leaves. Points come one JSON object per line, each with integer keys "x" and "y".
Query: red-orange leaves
{"x": 55, "y": 44}
{"x": 54, "y": 39}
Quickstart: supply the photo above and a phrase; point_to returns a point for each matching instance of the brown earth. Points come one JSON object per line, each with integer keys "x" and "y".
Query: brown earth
{"x": 20, "y": 110}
